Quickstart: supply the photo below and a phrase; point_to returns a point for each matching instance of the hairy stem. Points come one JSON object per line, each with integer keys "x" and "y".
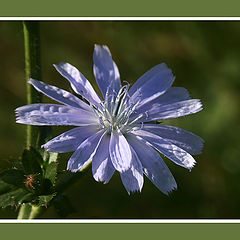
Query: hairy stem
{"x": 32, "y": 70}
{"x": 36, "y": 135}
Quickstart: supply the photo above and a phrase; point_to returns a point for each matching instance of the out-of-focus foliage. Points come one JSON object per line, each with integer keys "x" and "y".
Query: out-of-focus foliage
{"x": 204, "y": 56}
{"x": 31, "y": 181}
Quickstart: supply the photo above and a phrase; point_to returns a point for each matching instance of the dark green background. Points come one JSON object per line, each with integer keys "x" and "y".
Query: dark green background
{"x": 204, "y": 56}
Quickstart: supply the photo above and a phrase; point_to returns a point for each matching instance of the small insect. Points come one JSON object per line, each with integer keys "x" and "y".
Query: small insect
{"x": 30, "y": 181}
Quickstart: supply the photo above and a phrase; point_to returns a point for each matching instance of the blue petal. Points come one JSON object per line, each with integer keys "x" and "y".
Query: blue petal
{"x": 120, "y": 152}
{"x": 169, "y": 150}
{"x": 78, "y": 82}
{"x": 53, "y": 114}
{"x": 85, "y": 152}
{"x": 175, "y": 110}
{"x": 102, "y": 167}
{"x": 70, "y": 140}
{"x": 146, "y": 76}
{"x": 172, "y": 95}
{"x": 105, "y": 70}
{"x": 59, "y": 95}
{"x": 152, "y": 84}
{"x": 186, "y": 140}
{"x": 133, "y": 178}
{"x": 153, "y": 165}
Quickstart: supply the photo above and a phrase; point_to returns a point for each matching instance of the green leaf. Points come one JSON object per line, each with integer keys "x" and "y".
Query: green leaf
{"x": 14, "y": 197}
{"x": 10, "y": 163}
{"x": 4, "y": 187}
{"x": 16, "y": 163}
{"x": 45, "y": 199}
{"x": 14, "y": 177}
{"x": 47, "y": 185}
{"x": 51, "y": 172}
{"x": 11, "y": 195}
{"x": 29, "y": 197}
{"x": 32, "y": 161}
{"x": 34, "y": 183}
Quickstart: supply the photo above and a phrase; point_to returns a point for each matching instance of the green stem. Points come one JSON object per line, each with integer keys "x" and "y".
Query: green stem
{"x": 29, "y": 211}
{"x": 32, "y": 70}
{"x": 35, "y": 135}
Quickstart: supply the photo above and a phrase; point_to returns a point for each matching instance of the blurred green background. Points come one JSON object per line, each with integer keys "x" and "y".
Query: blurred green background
{"x": 204, "y": 56}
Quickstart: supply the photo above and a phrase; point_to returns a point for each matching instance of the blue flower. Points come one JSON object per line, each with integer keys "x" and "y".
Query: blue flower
{"x": 120, "y": 132}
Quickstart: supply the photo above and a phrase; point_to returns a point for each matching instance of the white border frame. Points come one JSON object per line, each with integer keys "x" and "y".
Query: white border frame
{"x": 121, "y": 221}
{"x": 121, "y": 19}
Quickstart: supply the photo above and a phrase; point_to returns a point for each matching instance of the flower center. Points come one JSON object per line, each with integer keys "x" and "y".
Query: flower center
{"x": 114, "y": 112}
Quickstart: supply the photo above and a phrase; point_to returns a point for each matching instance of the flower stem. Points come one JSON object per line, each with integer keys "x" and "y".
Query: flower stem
{"x": 32, "y": 70}
{"x": 35, "y": 135}
{"x": 29, "y": 211}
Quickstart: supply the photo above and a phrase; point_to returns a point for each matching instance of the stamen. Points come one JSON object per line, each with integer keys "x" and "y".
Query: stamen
{"x": 137, "y": 118}
{"x": 115, "y": 111}
{"x": 122, "y": 103}
{"x": 112, "y": 103}
{"x": 119, "y": 95}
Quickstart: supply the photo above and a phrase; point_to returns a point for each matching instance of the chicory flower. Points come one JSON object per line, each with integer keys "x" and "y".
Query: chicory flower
{"x": 119, "y": 132}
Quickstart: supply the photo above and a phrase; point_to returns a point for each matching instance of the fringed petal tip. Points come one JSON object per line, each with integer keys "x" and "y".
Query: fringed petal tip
{"x": 72, "y": 170}
{"x": 98, "y": 47}
{"x": 134, "y": 191}
{"x": 18, "y": 115}
{"x": 170, "y": 191}
{"x": 190, "y": 167}
{"x": 46, "y": 147}
{"x": 100, "y": 180}
{"x": 17, "y": 111}
{"x": 199, "y": 105}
